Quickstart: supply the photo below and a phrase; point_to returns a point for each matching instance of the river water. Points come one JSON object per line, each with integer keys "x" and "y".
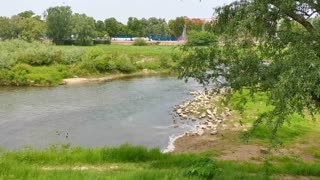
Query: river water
{"x": 135, "y": 111}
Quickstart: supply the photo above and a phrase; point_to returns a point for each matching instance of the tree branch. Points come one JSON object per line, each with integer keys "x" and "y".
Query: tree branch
{"x": 297, "y": 17}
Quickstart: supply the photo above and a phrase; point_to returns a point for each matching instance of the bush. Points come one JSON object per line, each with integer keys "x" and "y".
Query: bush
{"x": 6, "y": 60}
{"x": 105, "y": 64}
{"x": 125, "y": 64}
{"x": 196, "y": 38}
{"x": 71, "y": 56}
{"x": 20, "y": 72}
{"x": 5, "y": 77}
{"x": 140, "y": 42}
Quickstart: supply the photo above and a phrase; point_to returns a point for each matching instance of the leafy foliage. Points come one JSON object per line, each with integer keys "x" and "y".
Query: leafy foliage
{"x": 139, "y": 42}
{"x": 83, "y": 29}
{"x": 264, "y": 45}
{"x": 201, "y": 38}
{"x": 59, "y": 23}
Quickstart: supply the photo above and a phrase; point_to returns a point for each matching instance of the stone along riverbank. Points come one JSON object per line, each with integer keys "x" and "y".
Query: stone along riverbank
{"x": 208, "y": 114}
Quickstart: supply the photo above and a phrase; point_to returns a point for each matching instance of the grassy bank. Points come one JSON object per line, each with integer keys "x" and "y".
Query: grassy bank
{"x": 294, "y": 128}
{"x": 128, "y": 162}
{"x": 39, "y": 64}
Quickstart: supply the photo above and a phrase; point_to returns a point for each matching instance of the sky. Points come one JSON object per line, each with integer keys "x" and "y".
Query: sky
{"x": 120, "y": 9}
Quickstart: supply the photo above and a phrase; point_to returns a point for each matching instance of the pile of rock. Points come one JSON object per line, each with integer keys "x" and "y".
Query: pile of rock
{"x": 206, "y": 106}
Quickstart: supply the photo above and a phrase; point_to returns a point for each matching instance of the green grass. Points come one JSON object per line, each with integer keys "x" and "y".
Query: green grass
{"x": 129, "y": 162}
{"x": 294, "y": 128}
{"x": 38, "y": 64}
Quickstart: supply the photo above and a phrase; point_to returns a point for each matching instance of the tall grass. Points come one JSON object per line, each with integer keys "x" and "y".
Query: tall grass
{"x": 133, "y": 162}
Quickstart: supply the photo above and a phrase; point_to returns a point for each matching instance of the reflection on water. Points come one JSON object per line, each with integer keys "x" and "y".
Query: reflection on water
{"x": 135, "y": 111}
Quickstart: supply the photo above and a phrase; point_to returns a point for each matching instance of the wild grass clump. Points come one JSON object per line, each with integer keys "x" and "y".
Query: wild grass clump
{"x": 140, "y": 42}
{"x": 128, "y": 153}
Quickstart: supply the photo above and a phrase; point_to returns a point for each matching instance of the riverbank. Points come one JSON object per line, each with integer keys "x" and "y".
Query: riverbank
{"x": 143, "y": 73}
{"x": 222, "y": 129}
{"x": 40, "y": 64}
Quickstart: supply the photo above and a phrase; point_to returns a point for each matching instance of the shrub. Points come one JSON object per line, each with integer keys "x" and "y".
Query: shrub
{"x": 140, "y": 42}
{"x": 5, "y": 77}
{"x": 92, "y": 54}
{"x": 71, "y": 56}
{"x": 20, "y": 72}
{"x": 203, "y": 38}
{"x": 125, "y": 64}
{"x": 166, "y": 62}
{"x": 105, "y": 64}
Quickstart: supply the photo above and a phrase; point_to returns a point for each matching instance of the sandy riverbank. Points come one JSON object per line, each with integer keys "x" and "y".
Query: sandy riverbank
{"x": 74, "y": 81}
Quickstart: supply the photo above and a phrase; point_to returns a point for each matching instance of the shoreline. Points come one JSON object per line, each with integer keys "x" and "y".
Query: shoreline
{"x": 77, "y": 81}
{"x": 209, "y": 119}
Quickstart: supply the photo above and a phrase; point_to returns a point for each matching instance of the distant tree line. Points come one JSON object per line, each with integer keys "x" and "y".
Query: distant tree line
{"x": 63, "y": 26}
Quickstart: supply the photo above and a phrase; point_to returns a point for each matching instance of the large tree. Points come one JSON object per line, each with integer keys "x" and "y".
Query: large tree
{"x": 112, "y": 26}
{"x": 135, "y": 27}
{"x": 157, "y": 27}
{"x": 83, "y": 29}
{"x": 8, "y": 28}
{"x": 30, "y": 27}
{"x": 59, "y": 23}
{"x": 264, "y": 45}
{"x": 177, "y": 26}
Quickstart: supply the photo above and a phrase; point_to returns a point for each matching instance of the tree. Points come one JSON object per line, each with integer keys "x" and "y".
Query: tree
{"x": 31, "y": 29}
{"x": 112, "y": 26}
{"x": 157, "y": 27}
{"x": 59, "y": 23}
{"x": 135, "y": 27}
{"x": 8, "y": 28}
{"x": 265, "y": 45}
{"x": 177, "y": 26}
{"x": 100, "y": 29}
{"x": 83, "y": 29}
{"x": 26, "y": 14}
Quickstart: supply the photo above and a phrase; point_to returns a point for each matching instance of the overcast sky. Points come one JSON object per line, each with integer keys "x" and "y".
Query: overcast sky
{"x": 120, "y": 9}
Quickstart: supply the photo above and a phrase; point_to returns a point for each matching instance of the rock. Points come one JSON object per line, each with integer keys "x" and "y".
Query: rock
{"x": 203, "y": 127}
{"x": 214, "y": 132}
{"x": 209, "y": 112}
{"x": 176, "y": 126}
{"x": 190, "y": 134}
{"x": 200, "y": 132}
{"x": 179, "y": 111}
{"x": 264, "y": 151}
{"x": 236, "y": 125}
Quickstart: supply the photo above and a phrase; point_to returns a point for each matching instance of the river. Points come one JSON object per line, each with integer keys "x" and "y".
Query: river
{"x": 135, "y": 111}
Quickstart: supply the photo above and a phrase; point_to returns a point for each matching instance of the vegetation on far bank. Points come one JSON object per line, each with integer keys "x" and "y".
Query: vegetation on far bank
{"x": 41, "y": 64}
